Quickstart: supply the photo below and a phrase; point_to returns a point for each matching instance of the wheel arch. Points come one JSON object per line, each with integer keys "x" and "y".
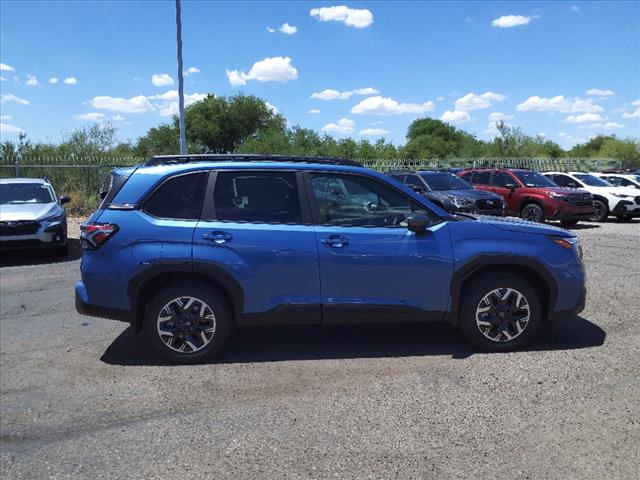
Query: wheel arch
{"x": 529, "y": 201}
{"x": 144, "y": 285}
{"x": 531, "y": 270}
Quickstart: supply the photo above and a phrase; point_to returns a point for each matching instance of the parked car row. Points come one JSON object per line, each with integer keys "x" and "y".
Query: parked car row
{"x": 567, "y": 197}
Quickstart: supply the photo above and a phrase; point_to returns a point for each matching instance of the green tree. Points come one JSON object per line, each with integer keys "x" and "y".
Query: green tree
{"x": 431, "y": 138}
{"x": 161, "y": 140}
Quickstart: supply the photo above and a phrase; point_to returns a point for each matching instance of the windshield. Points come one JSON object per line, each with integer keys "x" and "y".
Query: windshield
{"x": 18, "y": 193}
{"x": 445, "y": 181}
{"x": 534, "y": 179}
{"x": 591, "y": 180}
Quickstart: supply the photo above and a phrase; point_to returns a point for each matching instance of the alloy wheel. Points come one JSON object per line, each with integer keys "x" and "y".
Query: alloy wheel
{"x": 186, "y": 324}
{"x": 503, "y": 314}
{"x": 531, "y": 213}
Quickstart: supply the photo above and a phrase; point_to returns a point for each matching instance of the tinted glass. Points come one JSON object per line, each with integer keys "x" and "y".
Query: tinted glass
{"x": 17, "y": 193}
{"x": 354, "y": 200}
{"x": 481, "y": 178}
{"x": 414, "y": 181}
{"x": 534, "y": 179}
{"x": 179, "y": 197}
{"x": 561, "y": 180}
{"x": 591, "y": 180}
{"x": 501, "y": 179}
{"x": 467, "y": 176}
{"x": 259, "y": 197}
{"x": 445, "y": 181}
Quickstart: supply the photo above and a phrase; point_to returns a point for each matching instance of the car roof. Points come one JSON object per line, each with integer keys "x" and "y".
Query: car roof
{"x": 24, "y": 180}
{"x": 246, "y": 157}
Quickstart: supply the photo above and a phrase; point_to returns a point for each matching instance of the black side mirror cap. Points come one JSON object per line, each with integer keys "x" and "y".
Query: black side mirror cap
{"x": 418, "y": 223}
{"x": 65, "y": 199}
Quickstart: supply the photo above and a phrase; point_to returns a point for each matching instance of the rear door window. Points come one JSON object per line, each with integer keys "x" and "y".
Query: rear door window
{"x": 257, "y": 197}
{"x": 178, "y": 198}
{"x": 481, "y": 178}
{"x": 501, "y": 179}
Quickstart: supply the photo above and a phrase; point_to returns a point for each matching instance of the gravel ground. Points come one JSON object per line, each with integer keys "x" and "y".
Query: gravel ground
{"x": 82, "y": 398}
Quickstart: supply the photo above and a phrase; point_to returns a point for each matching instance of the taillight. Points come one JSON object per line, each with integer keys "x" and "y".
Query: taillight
{"x": 93, "y": 235}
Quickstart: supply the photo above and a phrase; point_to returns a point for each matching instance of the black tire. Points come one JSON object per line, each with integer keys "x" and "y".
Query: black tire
{"x": 600, "y": 211}
{"x": 624, "y": 218}
{"x": 213, "y": 299}
{"x": 569, "y": 223}
{"x": 473, "y": 299}
{"x": 532, "y": 212}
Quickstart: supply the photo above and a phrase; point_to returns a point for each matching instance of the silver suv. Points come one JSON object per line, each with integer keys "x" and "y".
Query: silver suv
{"x": 31, "y": 215}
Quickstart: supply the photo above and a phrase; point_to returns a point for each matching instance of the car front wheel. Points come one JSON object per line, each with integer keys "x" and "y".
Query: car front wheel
{"x": 533, "y": 213}
{"x": 188, "y": 323}
{"x": 600, "y": 211}
{"x": 499, "y": 312}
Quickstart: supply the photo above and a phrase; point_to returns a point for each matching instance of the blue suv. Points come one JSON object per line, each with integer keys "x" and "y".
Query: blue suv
{"x": 185, "y": 248}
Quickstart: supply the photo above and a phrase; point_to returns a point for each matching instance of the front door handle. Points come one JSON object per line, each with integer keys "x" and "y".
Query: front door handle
{"x": 218, "y": 237}
{"x": 335, "y": 241}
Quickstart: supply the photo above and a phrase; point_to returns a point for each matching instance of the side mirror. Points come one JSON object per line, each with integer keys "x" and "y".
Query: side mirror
{"x": 65, "y": 199}
{"x": 420, "y": 190}
{"x": 572, "y": 185}
{"x": 418, "y": 223}
{"x": 511, "y": 186}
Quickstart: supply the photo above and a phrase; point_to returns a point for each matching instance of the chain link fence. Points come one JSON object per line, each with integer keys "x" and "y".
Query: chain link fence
{"x": 83, "y": 178}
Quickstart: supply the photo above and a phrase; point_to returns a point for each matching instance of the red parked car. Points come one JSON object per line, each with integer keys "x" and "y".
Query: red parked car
{"x": 532, "y": 196}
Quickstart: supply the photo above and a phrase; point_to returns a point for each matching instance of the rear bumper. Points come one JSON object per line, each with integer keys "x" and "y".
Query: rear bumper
{"x": 85, "y": 308}
{"x": 567, "y": 314}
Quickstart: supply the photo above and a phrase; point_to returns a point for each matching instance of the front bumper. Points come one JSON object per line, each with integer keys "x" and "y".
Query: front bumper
{"x": 568, "y": 314}
{"x": 48, "y": 235}
{"x": 84, "y": 307}
{"x": 627, "y": 208}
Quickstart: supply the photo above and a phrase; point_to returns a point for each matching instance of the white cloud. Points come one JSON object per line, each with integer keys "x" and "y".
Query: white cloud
{"x": 387, "y": 106}
{"x": 5, "y": 117}
{"x": 272, "y": 108}
{"x": 161, "y": 80}
{"x": 508, "y": 21}
{"x": 137, "y": 104}
{"x": 6, "y": 68}
{"x": 344, "y": 126}
{"x": 574, "y": 8}
{"x": 10, "y": 97}
{"x": 353, "y": 17}
{"x": 168, "y": 104}
{"x": 314, "y": 111}
{"x": 191, "y": 71}
{"x": 497, "y": 116}
{"x": 613, "y": 125}
{"x": 271, "y": 69}
{"x": 373, "y": 132}
{"x": 2, "y": 79}
{"x": 91, "y": 117}
{"x": 636, "y": 103}
{"x": 32, "y": 81}
{"x": 634, "y": 114}
{"x": 6, "y": 128}
{"x": 471, "y": 101}
{"x": 118, "y": 118}
{"x": 53, "y": 80}
{"x": 330, "y": 94}
{"x": 584, "y": 118}
{"x": 558, "y": 103}
{"x": 596, "y": 92}
{"x": 271, "y": 30}
{"x": 288, "y": 29}
{"x": 456, "y": 116}
{"x": 70, "y": 81}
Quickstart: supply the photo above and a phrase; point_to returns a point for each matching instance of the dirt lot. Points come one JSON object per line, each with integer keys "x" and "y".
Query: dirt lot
{"x": 82, "y": 398}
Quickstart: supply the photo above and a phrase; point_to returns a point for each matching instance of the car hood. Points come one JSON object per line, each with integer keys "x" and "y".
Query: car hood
{"x": 613, "y": 189}
{"x": 470, "y": 193}
{"x": 27, "y": 211}
{"x": 523, "y": 226}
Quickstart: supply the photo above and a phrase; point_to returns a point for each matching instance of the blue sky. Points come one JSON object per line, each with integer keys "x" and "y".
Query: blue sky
{"x": 568, "y": 70}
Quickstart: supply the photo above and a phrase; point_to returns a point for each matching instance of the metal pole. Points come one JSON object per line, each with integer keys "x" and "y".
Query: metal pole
{"x": 183, "y": 137}
{"x": 16, "y": 166}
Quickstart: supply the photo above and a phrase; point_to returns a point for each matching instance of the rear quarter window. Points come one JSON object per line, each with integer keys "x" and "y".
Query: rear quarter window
{"x": 178, "y": 198}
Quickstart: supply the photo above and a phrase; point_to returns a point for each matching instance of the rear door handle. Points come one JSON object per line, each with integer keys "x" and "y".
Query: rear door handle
{"x": 218, "y": 237}
{"x": 335, "y": 241}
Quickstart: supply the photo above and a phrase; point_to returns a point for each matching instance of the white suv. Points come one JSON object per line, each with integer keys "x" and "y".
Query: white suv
{"x": 620, "y": 179}
{"x": 622, "y": 202}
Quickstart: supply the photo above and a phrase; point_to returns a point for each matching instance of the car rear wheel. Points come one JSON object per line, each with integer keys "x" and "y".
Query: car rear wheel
{"x": 532, "y": 212}
{"x": 600, "y": 211}
{"x": 624, "y": 218}
{"x": 499, "y": 312}
{"x": 187, "y": 323}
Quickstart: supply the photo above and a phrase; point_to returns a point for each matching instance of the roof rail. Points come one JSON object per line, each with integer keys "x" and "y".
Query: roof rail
{"x": 245, "y": 157}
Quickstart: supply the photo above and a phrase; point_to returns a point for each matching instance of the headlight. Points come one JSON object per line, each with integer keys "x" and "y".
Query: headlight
{"x": 460, "y": 201}
{"x": 558, "y": 196}
{"x": 621, "y": 195}
{"x": 570, "y": 243}
{"x": 54, "y": 218}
